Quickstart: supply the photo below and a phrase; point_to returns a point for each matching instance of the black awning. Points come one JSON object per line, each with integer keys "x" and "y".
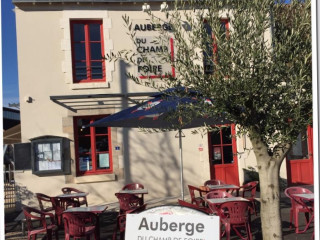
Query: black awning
{"x": 98, "y": 101}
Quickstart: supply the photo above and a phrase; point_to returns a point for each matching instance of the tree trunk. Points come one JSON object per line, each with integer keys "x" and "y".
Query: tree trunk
{"x": 269, "y": 169}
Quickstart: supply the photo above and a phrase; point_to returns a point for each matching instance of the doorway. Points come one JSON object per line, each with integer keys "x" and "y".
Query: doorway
{"x": 223, "y": 154}
{"x": 300, "y": 160}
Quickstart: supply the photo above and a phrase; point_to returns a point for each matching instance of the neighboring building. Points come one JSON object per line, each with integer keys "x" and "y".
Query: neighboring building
{"x": 64, "y": 84}
{"x": 11, "y": 126}
{"x": 11, "y": 117}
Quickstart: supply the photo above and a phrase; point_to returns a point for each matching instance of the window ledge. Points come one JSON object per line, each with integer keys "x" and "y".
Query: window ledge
{"x": 75, "y": 86}
{"x": 96, "y": 178}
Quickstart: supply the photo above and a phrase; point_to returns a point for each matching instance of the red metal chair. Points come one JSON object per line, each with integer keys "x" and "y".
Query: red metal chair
{"x": 135, "y": 186}
{"x": 32, "y": 214}
{"x": 248, "y": 191}
{"x": 121, "y": 222}
{"x": 127, "y": 202}
{"x": 59, "y": 206}
{"x": 197, "y": 195}
{"x": 296, "y": 206}
{"x": 235, "y": 215}
{"x": 45, "y": 202}
{"x": 309, "y": 206}
{"x": 215, "y": 194}
{"x": 78, "y": 225}
{"x": 190, "y": 205}
{"x": 214, "y": 182}
{"x": 80, "y": 200}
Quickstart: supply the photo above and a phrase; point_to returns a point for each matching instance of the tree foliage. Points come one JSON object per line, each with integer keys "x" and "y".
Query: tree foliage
{"x": 258, "y": 71}
{"x": 253, "y": 58}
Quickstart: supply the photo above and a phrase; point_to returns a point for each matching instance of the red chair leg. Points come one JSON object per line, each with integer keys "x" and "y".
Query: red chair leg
{"x": 228, "y": 230}
{"x": 57, "y": 235}
{"x": 49, "y": 234}
{"x": 291, "y": 216}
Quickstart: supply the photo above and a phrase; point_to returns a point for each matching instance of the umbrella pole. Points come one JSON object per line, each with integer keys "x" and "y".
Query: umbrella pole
{"x": 181, "y": 164}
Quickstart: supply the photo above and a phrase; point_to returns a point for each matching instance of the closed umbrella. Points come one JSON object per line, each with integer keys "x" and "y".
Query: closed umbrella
{"x": 160, "y": 112}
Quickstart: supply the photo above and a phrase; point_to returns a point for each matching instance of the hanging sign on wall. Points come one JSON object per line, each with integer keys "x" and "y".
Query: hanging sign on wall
{"x": 150, "y": 53}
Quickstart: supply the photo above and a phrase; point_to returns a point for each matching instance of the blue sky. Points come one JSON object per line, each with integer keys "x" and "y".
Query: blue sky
{"x": 9, "y": 54}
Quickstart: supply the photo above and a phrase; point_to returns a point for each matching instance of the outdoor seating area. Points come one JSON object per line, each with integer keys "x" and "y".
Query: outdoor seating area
{"x": 61, "y": 217}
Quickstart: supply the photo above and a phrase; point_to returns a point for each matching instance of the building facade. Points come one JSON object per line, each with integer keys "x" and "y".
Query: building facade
{"x": 65, "y": 84}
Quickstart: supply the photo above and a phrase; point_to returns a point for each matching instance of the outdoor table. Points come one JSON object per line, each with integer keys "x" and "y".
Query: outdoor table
{"x": 217, "y": 201}
{"x": 223, "y": 200}
{"x": 65, "y": 197}
{"x": 73, "y": 195}
{"x": 94, "y": 209}
{"x": 135, "y": 191}
{"x": 225, "y": 187}
{"x": 306, "y": 196}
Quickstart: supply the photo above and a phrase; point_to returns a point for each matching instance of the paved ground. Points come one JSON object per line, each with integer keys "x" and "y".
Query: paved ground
{"x": 107, "y": 223}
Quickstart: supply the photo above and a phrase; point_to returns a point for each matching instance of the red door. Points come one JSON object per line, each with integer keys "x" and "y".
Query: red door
{"x": 223, "y": 155}
{"x": 300, "y": 160}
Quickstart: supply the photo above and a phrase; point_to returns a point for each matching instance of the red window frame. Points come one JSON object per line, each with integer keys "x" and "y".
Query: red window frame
{"x": 221, "y": 145}
{"x": 93, "y": 152}
{"x": 215, "y": 54}
{"x": 88, "y": 61}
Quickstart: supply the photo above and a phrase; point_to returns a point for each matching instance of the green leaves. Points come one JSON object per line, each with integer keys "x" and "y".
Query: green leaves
{"x": 259, "y": 62}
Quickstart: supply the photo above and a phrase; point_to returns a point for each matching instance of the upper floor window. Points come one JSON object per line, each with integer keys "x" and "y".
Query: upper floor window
{"x": 210, "y": 53}
{"x": 87, "y": 51}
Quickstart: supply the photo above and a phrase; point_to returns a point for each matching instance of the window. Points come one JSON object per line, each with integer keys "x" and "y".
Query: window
{"x": 92, "y": 147}
{"x": 221, "y": 145}
{"x": 299, "y": 150}
{"x": 210, "y": 53}
{"x": 87, "y": 51}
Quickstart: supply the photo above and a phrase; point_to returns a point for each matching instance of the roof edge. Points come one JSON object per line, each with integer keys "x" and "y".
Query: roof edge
{"x": 87, "y": 1}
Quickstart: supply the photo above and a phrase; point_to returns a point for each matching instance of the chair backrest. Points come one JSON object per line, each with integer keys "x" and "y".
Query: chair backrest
{"x": 214, "y": 182}
{"x": 122, "y": 218}
{"x": 75, "y": 222}
{"x": 196, "y": 192}
{"x": 59, "y": 206}
{"x": 68, "y": 190}
{"x": 194, "y": 206}
{"x": 250, "y": 187}
{"x": 235, "y": 211}
{"x": 45, "y": 202}
{"x": 133, "y": 186}
{"x": 295, "y": 190}
{"x": 127, "y": 202}
{"x": 217, "y": 194}
{"x": 32, "y": 214}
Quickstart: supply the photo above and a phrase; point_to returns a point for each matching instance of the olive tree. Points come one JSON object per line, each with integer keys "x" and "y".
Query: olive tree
{"x": 253, "y": 58}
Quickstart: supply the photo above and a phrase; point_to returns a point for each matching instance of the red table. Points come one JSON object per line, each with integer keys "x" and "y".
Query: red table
{"x": 225, "y": 187}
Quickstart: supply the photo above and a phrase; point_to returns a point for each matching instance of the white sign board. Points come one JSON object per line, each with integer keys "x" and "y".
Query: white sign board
{"x": 146, "y": 226}
{"x": 150, "y": 54}
{"x": 149, "y": 58}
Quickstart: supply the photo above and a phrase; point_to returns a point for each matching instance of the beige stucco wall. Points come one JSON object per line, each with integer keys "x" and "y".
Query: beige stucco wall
{"x": 44, "y": 63}
{"x": 247, "y": 160}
